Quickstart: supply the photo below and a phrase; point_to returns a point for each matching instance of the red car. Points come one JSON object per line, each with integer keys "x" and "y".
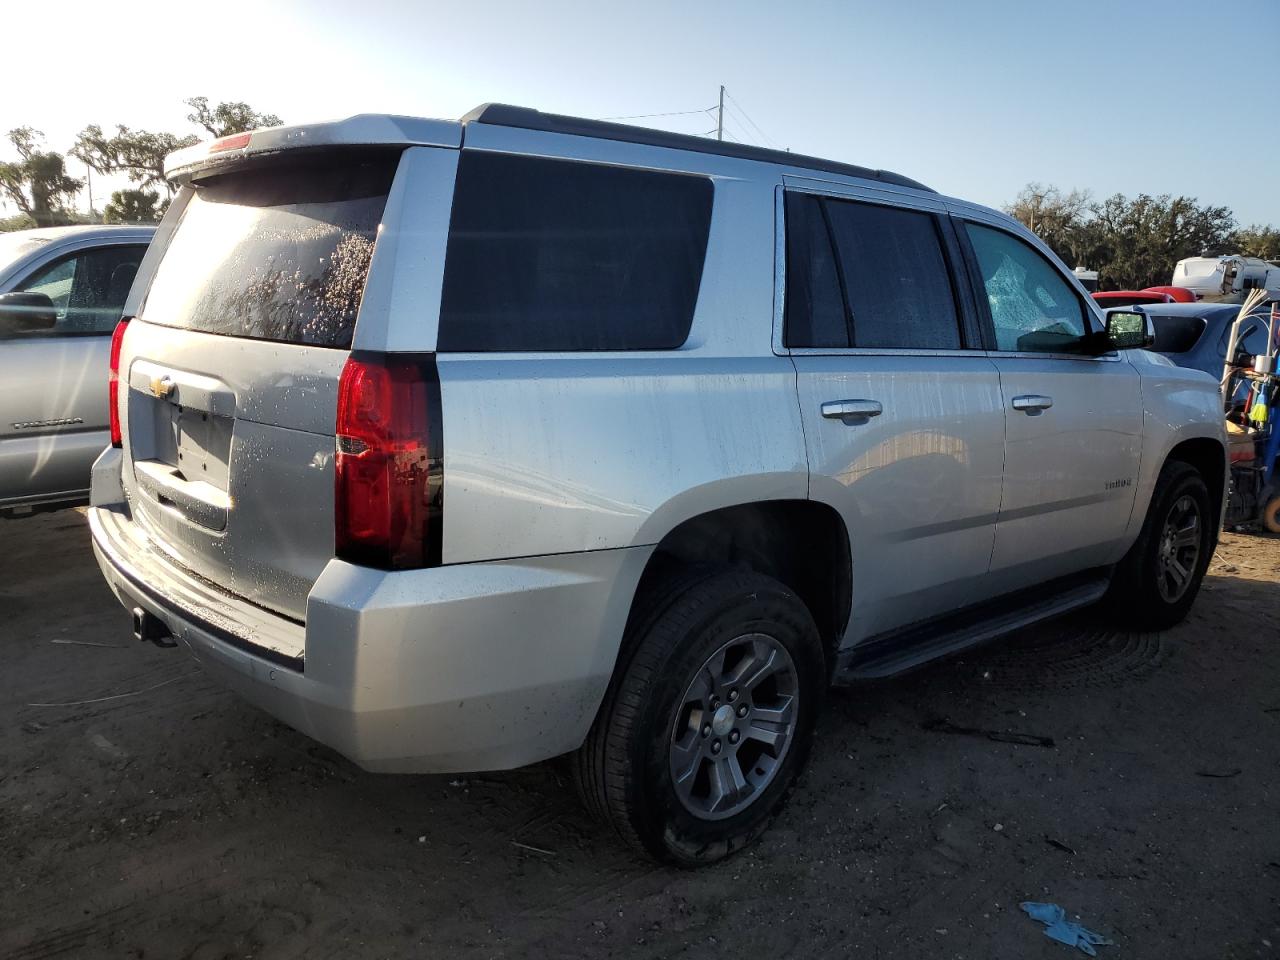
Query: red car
{"x": 1176, "y": 294}
{"x": 1125, "y": 298}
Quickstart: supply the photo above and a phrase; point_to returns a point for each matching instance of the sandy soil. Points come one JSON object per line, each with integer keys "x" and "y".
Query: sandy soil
{"x": 145, "y": 812}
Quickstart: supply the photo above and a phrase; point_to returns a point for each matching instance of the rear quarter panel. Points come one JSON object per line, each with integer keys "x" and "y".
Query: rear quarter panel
{"x": 561, "y": 455}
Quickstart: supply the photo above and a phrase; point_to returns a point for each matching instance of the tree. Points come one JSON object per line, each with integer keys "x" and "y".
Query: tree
{"x": 1131, "y": 243}
{"x": 134, "y": 206}
{"x": 19, "y": 221}
{"x": 139, "y": 154}
{"x": 1136, "y": 243}
{"x": 228, "y": 118}
{"x": 37, "y": 183}
{"x": 1257, "y": 241}
{"x": 1059, "y": 219}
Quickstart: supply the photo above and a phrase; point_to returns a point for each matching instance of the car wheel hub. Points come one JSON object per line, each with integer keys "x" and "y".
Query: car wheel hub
{"x": 1179, "y": 551}
{"x": 734, "y": 726}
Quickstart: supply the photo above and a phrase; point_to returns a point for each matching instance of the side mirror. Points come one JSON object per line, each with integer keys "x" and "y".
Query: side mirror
{"x": 22, "y": 312}
{"x": 1128, "y": 330}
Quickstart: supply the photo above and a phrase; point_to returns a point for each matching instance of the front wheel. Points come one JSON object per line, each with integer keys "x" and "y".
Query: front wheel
{"x": 706, "y": 728}
{"x": 1158, "y": 579}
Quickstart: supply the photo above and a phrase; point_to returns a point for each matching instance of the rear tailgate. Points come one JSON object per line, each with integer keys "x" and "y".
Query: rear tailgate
{"x": 232, "y": 369}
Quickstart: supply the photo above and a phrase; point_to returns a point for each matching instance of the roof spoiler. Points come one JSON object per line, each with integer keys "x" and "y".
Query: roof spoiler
{"x": 364, "y": 129}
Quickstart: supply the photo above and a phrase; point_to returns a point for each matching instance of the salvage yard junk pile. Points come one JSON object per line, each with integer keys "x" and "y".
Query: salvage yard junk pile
{"x": 1251, "y": 394}
{"x": 339, "y": 480}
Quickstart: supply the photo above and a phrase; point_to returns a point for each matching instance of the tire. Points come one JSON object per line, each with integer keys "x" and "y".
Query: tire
{"x": 1148, "y": 592}
{"x": 740, "y": 624}
{"x": 1271, "y": 515}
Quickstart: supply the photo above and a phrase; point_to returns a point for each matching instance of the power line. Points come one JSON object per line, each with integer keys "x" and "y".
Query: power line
{"x": 647, "y": 116}
{"x": 736, "y": 135}
{"x": 742, "y": 110}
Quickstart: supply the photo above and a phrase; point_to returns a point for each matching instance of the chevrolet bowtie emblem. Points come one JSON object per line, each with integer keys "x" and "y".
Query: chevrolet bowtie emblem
{"x": 161, "y": 387}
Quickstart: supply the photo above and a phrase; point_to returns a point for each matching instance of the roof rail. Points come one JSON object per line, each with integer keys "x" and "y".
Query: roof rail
{"x": 525, "y": 118}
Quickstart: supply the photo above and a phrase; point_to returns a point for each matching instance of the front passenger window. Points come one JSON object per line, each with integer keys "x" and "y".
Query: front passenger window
{"x": 1033, "y": 308}
{"x": 88, "y": 289}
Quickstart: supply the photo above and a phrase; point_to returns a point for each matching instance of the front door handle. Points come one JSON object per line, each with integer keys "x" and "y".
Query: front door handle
{"x": 1032, "y": 404}
{"x": 851, "y": 409}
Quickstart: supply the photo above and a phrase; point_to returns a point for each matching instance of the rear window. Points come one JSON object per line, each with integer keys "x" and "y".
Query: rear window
{"x": 556, "y": 255}
{"x": 865, "y": 275}
{"x": 1176, "y": 334}
{"x": 275, "y": 253}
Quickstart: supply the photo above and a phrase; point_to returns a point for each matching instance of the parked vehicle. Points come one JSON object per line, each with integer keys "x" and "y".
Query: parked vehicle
{"x": 459, "y": 446}
{"x": 1127, "y": 298}
{"x": 1215, "y": 276}
{"x": 1088, "y": 278}
{"x": 1147, "y": 295}
{"x": 1195, "y": 335}
{"x": 1176, "y": 294}
{"x": 61, "y": 293}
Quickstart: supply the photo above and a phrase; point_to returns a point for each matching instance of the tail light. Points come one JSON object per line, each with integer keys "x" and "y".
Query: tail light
{"x": 389, "y": 468}
{"x": 113, "y": 383}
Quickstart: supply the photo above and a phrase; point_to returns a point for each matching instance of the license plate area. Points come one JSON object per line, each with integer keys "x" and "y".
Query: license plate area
{"x": 202, "y": 445}
{"x": 196, "y": 444}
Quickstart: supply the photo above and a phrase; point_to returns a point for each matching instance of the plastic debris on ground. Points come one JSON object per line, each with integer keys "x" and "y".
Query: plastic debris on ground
{"x": 1058, "y": 927}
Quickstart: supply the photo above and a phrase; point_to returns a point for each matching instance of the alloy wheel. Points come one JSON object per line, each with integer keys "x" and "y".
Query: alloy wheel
{"x": 1178, "y": 551}
{"x": 734, "y": 726}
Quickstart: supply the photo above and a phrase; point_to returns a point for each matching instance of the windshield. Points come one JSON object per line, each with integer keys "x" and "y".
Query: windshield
{"x": 279, "y": 253}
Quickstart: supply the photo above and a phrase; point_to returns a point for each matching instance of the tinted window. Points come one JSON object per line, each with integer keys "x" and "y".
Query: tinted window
{"x": 88, "y": 289}
{"x": 278, "y": 253}
{"x": 815, "y": 315}
{"x": 558, "y": 255}
{"x": 866, "y": 276}
{"x": 896, "y": 279}
{"x": 1033, "y": 308}
{"x": 1176, "y": 334}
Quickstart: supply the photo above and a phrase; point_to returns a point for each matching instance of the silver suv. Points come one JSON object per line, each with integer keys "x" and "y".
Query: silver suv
{"x": 459, "y": 446}
{"x": 61, "y": 293}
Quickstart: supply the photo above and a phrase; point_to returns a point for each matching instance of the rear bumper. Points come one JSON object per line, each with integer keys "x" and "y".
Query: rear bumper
{"x": 470, "y": 667}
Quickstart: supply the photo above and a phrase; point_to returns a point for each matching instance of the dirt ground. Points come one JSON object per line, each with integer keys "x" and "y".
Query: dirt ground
{"x": 146, "y": 812}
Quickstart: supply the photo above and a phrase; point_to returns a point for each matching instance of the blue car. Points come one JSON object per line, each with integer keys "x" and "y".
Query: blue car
{"x": 1195, "y": 335}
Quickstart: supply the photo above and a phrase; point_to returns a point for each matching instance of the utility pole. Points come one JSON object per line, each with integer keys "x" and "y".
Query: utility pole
{"x": 88, "y": 173}
{"x": 720, "y": 116}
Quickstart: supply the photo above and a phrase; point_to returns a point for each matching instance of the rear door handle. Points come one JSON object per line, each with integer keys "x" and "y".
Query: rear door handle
{"x": 1032, "y": 403}
{"x": 851, "y": 409}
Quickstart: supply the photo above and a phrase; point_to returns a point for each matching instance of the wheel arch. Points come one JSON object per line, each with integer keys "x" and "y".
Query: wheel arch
{"x": 802, "y": 543}
{"x": 1208, "y": 456}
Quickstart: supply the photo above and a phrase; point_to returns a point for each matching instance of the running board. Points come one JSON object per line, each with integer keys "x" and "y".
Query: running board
{"x": 914, "y": 646}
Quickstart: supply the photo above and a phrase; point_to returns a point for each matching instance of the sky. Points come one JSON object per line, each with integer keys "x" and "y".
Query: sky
{"x": 976, "y": 99}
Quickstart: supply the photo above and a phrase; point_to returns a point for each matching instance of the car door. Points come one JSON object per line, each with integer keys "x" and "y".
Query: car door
{"x": 901, "y": 409}
{"x": 53, "y": 390}
{"x": 1073, "y": 419}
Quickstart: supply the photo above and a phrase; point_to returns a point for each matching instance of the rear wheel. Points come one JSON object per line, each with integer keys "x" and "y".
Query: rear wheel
{"x": 709, "y": 722}
{"x": 1159, "y": 578}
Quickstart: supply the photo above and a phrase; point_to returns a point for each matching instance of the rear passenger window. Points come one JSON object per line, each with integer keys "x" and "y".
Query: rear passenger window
{"x": 550, "y": 255}
{"x": 889, "y": 267}
{"x": 815, "y": 314}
